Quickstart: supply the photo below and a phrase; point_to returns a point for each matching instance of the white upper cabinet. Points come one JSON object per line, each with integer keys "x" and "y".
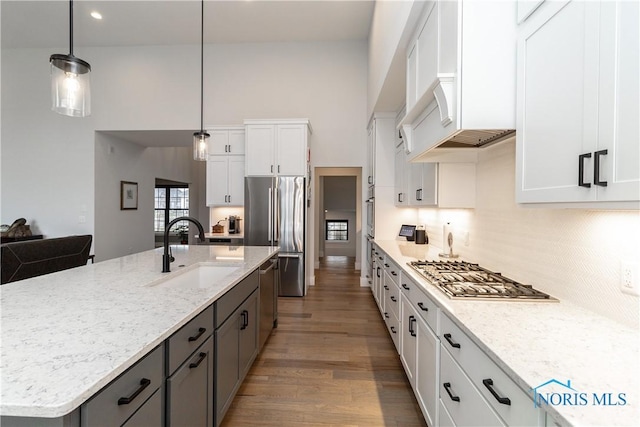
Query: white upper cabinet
{"x": 226, "y": 141}
{"x": 225, "y": 166}
{"x": 461, "y": 64}
{"x": 577, "y": 134}
{"x": 442, "y": 185}
{"x": 277, "y": 147}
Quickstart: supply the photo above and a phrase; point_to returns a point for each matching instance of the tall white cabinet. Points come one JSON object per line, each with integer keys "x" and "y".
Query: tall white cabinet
{"x": 226, "y": 166}
{"x": 277, "y": 147}
{"x": 578, "y": 103}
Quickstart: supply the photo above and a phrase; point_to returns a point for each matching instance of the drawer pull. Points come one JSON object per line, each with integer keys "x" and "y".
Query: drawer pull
{"x": 386, "y": 287}
{"x": 386, "y": 265}
{"x": 423, "y": 308}
{"x": 393, "y": 298}
{"x": 144, "y": 383}
{"x": 386, "y": 315}
{"x": 245, "y": 319}
{"x": 412, "y": 321}
{"x": 378, "y": 272}
{"x": 404, "y": 286}
{"x": 581, "y": 158}
{"x": 393, "y": 329}
{"x": 488, "y": 383}
{"x": 198, "y": 335}
{"x": 447, "y": 387}
{"x": 393, "y": 273}
{"x": 596, "y": 168}
{"x": 453, "y": 344}
{"x": 202, "y": 356}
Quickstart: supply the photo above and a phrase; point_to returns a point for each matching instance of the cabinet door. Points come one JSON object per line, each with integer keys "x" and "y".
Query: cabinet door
{"x": 402, "y": 168}
{"x": 149, "y": 414}
{"x": 411, "y": 76}
{"x": 236, "y": 142}
{"x": 427, "y": 370}
{"x": 557, "y": 102}
{"x": 190, "y": 390}
{"x": 260, "y": 150}
{"x": 427, "y": 45}
{"x": 291, "y": 150}
{"x": 219, "y": 142}
{"x": 217, "y": 180}
{"x": 424, "y": 184}
{"x": 619, "y": 131}
{"x": 248, "y": 334}
{"x": 227, "y": 362}
{"x": 408, "y": 340}
{"x": 236, "y": 180}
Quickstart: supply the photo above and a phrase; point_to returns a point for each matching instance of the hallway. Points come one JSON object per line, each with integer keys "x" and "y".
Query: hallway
{"x": 330, "y": 362}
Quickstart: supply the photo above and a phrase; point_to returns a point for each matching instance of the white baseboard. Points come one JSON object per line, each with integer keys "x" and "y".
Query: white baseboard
{"x": 364, "y": 282}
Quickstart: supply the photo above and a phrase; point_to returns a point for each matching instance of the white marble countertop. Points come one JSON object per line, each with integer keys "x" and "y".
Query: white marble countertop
{"x": 66, "y": 335}
{"x": 534, "y": 342}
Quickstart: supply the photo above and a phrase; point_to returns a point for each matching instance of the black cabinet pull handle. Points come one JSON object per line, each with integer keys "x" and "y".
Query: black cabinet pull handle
{"x": 197, "y": 363}
{"x": 447, "y": 387}
{"x": 596, "y": 168}
{"x": 378, "y": 271}
{"x": 380, "y": 258}
{"x": 144, "y": 383}
{"x": 393, "y": 273}
{"x": 198, "y": 335}
{"x": 404, "y": 286}
{"x": 393, "y": 298}
{"x": 386, "y": 315}
{"x": 386, "y": 287}
{"x": 412, "y": 331}
{"x": 245, "y": 320}
{"x": 399, "y": 197}
{"x": 453, "y": 344}
{"x": 488, "y": 383}
{"x": 581, "y": 158}
{"x": 386, "y": 265}
{"x": 393, "y": 329}
{"x": 423, "y": 308}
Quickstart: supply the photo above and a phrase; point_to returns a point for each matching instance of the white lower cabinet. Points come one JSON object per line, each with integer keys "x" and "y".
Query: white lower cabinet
{"x": 461, "y": 399}
{"x": 497, "y": 390}
{"x": 427, "y": 372}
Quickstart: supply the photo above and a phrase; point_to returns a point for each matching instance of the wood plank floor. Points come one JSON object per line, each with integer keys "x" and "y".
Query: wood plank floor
{"x": 330, "y": 362}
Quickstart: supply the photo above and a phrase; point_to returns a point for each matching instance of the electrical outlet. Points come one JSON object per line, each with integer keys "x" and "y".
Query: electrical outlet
{"x": 629, "y": 278}
{"x": 465, "y": 238}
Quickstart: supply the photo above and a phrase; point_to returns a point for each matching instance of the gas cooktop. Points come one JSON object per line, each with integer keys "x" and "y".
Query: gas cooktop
{"x": 464, "y": 280}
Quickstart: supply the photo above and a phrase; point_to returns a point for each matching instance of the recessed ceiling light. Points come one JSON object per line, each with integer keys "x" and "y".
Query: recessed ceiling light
{"x": 96, "y": 15}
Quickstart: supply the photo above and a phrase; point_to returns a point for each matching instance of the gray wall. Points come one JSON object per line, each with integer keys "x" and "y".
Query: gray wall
{"x": 340, "y": 203}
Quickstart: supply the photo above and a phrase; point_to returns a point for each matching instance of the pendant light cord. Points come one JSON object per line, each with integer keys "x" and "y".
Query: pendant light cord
{"x": 202, "y": 68}
{"x": 71, "y": 28}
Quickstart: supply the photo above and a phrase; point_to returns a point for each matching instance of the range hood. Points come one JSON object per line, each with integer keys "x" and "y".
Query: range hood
{"x": 434, "y": 131}
{"x": 477, "y": 138}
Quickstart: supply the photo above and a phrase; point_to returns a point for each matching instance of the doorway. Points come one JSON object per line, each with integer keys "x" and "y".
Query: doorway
{"x": 338, "y": 213}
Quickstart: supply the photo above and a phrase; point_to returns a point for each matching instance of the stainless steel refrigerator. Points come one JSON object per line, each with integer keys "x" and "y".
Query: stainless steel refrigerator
{"x": 275, "y": 215}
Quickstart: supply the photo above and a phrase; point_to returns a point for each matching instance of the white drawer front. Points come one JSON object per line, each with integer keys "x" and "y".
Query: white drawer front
{"x": 461, "y": 399}
{"x": 392, "y": 296}
{"x": 393, "y": 270}
{"x": 510, "y": 401}
{"x": 425, "y": 307}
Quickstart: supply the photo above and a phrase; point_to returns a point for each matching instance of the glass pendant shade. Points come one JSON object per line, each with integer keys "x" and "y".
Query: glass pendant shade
{"x": 70, "y": 85}
{"x": 200, "y": 146}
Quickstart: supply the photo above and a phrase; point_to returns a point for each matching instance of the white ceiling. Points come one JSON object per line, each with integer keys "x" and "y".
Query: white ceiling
{"x": 45, "y": 24}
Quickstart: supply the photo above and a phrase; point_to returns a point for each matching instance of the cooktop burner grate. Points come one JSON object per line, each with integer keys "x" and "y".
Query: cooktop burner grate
{"x": 460, "y": 279}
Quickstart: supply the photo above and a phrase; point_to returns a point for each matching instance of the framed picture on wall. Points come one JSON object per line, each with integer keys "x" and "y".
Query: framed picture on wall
{"x": 128, "y": 195}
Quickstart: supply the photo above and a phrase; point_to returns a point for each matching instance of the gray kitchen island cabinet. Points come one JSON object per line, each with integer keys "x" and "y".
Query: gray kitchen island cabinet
{"x": 236, "y": 340}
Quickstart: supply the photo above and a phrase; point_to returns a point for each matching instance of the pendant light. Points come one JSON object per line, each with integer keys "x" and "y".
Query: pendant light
{"x": 200, "y": 139}
{"x": 70, "y": 79}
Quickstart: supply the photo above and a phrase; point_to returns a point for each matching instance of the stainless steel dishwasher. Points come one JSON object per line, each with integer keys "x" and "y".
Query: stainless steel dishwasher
{"x": 268, "y": 298}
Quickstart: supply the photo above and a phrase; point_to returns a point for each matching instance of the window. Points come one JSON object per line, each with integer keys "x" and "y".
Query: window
{"x": 337, "y": 230}
{"x": 171, "y": 201}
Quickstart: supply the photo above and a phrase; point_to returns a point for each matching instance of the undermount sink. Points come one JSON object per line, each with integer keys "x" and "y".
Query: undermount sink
{"x": 201, "y": 276}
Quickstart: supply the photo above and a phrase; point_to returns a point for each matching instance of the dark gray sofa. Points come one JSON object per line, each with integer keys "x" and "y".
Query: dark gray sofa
{"x": 26, "y": 259}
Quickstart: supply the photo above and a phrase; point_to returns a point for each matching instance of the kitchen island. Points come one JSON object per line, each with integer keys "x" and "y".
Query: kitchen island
{"x": 586, "y": 365}
{"x": 67, "y": 335}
